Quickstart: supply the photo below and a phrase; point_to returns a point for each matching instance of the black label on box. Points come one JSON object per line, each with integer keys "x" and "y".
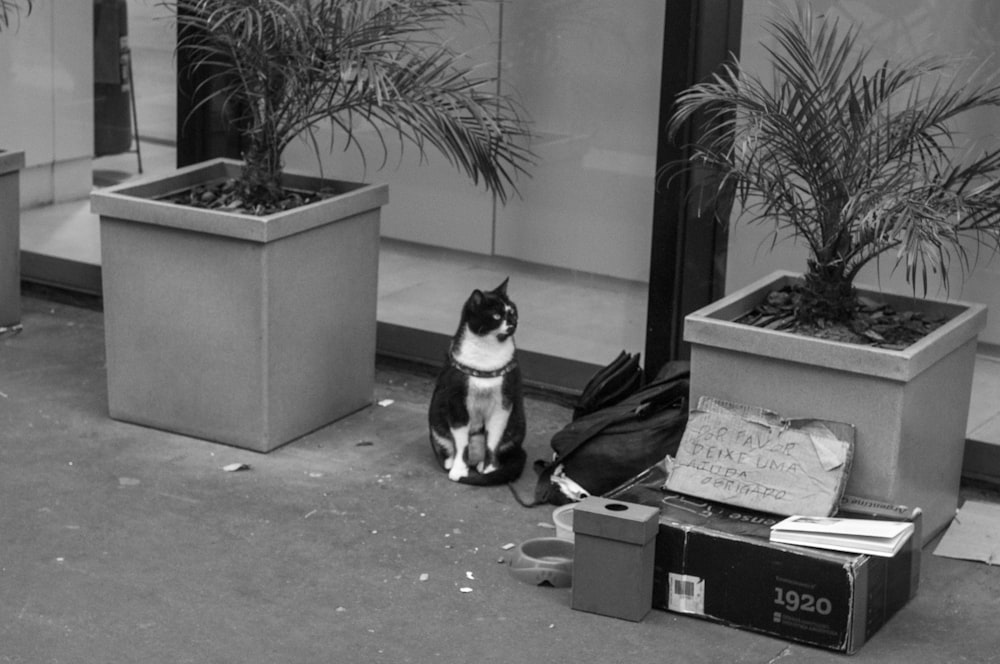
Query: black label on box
{"x": 808, "y": 609}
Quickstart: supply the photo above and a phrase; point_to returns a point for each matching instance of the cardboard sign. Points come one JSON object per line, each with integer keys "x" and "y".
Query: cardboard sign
{"x": 749, "y": 457}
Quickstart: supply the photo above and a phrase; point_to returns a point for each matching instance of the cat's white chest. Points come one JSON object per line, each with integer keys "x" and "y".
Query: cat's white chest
{"x": 484, "y": 396}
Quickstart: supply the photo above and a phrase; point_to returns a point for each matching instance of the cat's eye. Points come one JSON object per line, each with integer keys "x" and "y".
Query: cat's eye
{"x": 497, "y": 316}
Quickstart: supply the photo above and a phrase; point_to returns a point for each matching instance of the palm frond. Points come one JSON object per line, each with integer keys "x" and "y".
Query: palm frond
{"x": 286, "y": 66}
{"x": 12, "y": 9}
{"x": 857, "y": 158}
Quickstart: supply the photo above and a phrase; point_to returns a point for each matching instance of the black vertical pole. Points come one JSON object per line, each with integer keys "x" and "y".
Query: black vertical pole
{"x": 688, "y": 247}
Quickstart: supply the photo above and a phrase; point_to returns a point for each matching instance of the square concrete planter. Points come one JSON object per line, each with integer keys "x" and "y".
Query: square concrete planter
{"x": 249, "y": 331}
{"x": 909, "y": 407}
{"x": 11, "y": 164}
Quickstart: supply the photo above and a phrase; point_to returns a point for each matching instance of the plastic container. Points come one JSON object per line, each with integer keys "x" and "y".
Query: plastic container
{"x": 562, "y": 516}
{"x": 543, "y": 561}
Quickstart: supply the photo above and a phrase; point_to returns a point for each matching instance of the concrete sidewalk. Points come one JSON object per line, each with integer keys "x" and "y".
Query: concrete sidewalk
{"x": 125, "y": 544}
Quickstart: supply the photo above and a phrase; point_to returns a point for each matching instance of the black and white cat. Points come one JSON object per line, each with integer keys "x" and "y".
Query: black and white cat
{"x": 476, "y": 414}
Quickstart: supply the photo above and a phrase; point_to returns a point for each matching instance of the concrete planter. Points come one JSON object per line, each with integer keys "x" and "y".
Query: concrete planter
{"x": 909, "y": 407}
{"x": 249, "y": 331}
{"x": 11, "y": 164}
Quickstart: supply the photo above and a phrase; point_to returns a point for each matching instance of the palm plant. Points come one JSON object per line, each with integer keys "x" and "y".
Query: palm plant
{"x": 855, "y": 158}
{"x": 282, "y": 68}
{"x": 9, "y": 8}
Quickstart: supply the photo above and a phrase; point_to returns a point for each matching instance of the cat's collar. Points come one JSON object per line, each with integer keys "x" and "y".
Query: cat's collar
{"x": 479, "y": 373}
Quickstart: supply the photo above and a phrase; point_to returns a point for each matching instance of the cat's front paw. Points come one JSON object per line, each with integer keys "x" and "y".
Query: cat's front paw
{"x": 488, "y": 464}
{"x": 449, "y": 462}
{"x": 458, "y": 472}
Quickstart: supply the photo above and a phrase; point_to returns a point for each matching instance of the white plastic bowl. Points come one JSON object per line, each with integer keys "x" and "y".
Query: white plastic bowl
{"x": 562, "y": 516}
{"x": 543, "y": 561}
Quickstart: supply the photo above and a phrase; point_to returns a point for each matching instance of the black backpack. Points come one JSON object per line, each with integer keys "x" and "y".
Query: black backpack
{"x": 604, "y": 448}
{"x": 611, "y": 385}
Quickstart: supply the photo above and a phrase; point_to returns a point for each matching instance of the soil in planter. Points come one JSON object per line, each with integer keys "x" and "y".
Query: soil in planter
{"x": 874, "y": 324}
{"x": 224, "y": 195}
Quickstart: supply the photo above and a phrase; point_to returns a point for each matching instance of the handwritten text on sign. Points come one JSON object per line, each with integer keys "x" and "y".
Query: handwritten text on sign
{"x": 756, "y": 460}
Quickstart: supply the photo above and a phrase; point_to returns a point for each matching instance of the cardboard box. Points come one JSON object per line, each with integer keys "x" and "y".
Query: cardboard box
{"x": 716, "y": 562}
{"x": 614, "y": 557}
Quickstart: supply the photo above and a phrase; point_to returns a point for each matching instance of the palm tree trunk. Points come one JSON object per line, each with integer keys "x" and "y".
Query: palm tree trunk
{"x": 828, "y": 293}
{"x": 261, "y": 174}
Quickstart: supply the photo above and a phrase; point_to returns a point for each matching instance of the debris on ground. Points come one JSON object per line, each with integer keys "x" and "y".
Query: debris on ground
{"x": 236, "y": 467}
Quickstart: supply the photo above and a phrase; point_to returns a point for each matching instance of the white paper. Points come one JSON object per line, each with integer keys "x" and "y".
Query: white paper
{"x": 974, "y": 534}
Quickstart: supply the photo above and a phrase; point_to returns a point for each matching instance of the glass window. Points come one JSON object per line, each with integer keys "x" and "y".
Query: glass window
{"x": 81, "y": 126}
{"x": 576, "y": 243}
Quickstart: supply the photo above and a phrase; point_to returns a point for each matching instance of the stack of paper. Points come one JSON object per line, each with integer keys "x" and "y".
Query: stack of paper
{"x": 871, "y": 536}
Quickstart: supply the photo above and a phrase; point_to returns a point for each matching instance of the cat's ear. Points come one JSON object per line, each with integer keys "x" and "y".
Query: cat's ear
{"x": 477, "y": 297}
{"x": 502, "y": 288}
